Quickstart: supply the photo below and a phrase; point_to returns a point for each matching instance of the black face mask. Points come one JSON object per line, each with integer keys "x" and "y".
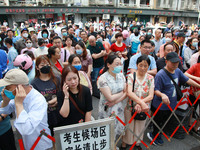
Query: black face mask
{"x": 45, "y": 69}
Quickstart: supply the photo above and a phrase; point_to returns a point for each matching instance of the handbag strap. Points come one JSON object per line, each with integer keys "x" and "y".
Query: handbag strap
{"x": 134, "y": 76}
{"x": 74, "y": 103}
{"x": 176, "y": 86}
{"x": 65, "y": 54}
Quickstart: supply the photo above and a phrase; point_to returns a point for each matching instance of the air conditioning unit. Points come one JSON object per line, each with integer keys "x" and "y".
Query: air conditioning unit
{"x": 167, "y": 6}
{"x": 106, "y": 16}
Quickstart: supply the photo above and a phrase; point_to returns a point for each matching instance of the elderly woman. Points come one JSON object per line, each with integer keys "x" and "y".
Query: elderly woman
{"x": 140, "y": 93}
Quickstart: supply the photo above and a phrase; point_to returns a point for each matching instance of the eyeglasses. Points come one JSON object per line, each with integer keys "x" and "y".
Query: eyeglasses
{"x": 147, "y": 47}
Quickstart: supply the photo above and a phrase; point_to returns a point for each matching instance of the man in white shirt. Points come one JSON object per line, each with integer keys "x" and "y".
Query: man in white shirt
{"x": 42, "y": 49}
{"x": 59, "y": 27}
{"x": 5, "y": 23}
{"x": 30, "y": 108}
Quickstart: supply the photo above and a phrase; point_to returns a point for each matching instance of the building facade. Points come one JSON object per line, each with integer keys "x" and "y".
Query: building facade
{"x": 97, "y": 10}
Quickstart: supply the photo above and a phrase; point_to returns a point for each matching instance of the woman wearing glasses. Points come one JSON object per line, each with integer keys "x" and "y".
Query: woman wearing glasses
{"x": 29, "y": 46}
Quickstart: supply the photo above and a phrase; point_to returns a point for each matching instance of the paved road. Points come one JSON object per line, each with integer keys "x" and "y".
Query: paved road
{"x": 189, "y": 143}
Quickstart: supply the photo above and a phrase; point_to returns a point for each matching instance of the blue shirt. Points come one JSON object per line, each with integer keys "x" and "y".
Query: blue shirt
{"x": 4, "y": 124}
{"x": 110, "y": 37}
{"x": 133, "y": 60}
{"x": 31, "y": 74}
{"x": 12, "y": 54}
{"x": 3, "y": 63}
{"x": 31, "y": 120}
{"x": 77, "y": 33}
{"x": 157, "y": 45}
{"x": 164, "y": 84}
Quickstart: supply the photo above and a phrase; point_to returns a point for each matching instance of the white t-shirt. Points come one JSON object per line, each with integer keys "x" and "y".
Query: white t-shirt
{"x": 39, "y": 52}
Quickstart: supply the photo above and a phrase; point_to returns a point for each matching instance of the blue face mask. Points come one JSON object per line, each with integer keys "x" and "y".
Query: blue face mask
{"x": 9, "y": 94}
{"x": 64, "y": 34}
{"x": 78, "y": 67}
{"x": 45, "y": 35}
{"x": 42, "y": 47}
{"x": 195, "y": 44}
{"x": 117, "y": 69}
{"x": 79, "y": 51}
{"x": 148, "y": 33}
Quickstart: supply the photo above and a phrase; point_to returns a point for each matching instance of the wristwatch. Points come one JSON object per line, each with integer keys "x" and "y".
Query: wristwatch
{"x": 2, "y": 117}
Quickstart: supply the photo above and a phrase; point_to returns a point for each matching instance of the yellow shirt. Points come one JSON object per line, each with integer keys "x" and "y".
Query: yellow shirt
{"x": 83, "y": 80}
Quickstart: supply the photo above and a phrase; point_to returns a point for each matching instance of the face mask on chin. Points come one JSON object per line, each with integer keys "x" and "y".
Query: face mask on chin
{"x": 9, "y": 94}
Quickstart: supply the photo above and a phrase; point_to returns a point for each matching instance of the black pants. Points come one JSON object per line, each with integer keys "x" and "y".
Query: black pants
{"x": 7, "y": 141}
{"x": 160, "y": 118}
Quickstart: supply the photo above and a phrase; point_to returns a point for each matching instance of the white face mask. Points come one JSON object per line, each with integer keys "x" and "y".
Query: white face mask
{"x": 168, "y": 40}
{"x": 100, "y": 40}
{"x": 25, "y": 35}
{"x": 29, "y": 45}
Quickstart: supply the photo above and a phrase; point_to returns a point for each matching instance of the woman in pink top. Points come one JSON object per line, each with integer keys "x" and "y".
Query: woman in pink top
{"x": 29, "y": 46}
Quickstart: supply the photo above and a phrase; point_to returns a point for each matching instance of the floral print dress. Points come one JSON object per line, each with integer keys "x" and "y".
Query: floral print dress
{"x": 116, "y": 86}
{"x": 141, "y": 89}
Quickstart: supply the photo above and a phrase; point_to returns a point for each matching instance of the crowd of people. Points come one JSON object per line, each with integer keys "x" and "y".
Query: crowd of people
{"x": 48, "y": 77}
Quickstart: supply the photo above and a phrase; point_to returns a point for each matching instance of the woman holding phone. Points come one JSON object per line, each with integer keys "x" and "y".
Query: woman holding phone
{"x": 75, "y": 100}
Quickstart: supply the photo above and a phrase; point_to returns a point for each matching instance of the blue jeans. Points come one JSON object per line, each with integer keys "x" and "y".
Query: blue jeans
{"x": 95, "y": 73}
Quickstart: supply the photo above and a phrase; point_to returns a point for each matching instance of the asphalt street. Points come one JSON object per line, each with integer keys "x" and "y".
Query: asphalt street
{"x": 189, "y": 143}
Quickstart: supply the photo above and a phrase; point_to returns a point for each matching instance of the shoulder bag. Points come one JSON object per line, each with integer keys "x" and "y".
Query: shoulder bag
{"x": 139, "y": 116}
{"x": 178, "y": 89}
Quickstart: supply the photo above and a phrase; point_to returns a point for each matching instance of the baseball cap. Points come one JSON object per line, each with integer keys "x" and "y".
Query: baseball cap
{"x": 25, "y": 29}
{"x": 31, "y": 29}
{"x": 58, "y": 22}
{"x": 181, "y": 34}
{"x": 173, "y": 57}
{"x": 16, "y": 77}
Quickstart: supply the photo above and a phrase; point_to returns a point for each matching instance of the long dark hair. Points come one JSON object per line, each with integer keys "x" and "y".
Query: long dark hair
{"x": 37, "y": 72}
{"x": 190, "y": 42}
{"x": 51, "y": 51}
{"x": 67, "y": 69}
{"x": 111, "y": 57}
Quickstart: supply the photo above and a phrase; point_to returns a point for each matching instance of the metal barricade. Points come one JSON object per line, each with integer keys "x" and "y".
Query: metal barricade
{"x": 42, "y": 132}
{"x": 151, "y": 119}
